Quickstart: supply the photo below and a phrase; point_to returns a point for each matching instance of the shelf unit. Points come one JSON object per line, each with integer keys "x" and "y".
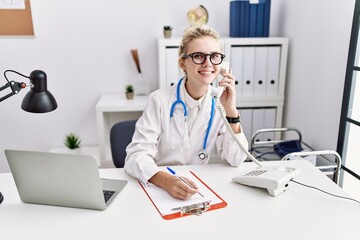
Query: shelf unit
{"x": 259, "y": 66}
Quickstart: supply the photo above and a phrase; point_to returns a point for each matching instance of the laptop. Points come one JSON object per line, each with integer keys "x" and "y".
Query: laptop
{"x": 61, "y": 180}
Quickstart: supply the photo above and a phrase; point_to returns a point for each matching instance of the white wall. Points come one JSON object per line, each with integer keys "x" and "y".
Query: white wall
{"x": 84, "y": 47}
{"x": 319, "y": 33}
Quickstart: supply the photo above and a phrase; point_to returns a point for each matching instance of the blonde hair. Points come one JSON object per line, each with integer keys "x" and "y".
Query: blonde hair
{"x": 194, "y": 33}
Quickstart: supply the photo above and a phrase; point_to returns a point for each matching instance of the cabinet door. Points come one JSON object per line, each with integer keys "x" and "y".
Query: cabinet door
{"x": 173, "y": 72}
{"x": 258, "y": 119}
{"x": 263, "y": 118}
{"x": 269, "y": 122}
{"x": 246, "y": 121}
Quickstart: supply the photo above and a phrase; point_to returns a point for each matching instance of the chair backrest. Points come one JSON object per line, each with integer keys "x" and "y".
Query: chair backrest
{"x": 121, "y": 135}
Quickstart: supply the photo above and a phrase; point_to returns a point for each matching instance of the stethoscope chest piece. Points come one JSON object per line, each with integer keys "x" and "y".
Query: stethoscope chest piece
{"x": 202, "y": 156}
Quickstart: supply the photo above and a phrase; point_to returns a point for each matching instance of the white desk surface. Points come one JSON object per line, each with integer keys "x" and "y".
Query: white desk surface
{"x": 299, "y": 213}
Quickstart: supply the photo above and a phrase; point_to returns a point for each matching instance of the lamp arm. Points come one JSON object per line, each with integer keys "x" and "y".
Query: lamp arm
{"x": 15, "y": 86}
{"x": 5, "y": 86}
{"x": 6, "y": 96}
{"x": 15, "y": 89}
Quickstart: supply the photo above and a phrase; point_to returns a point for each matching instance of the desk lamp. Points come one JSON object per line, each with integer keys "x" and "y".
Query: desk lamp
{"x": 37, "y": 100}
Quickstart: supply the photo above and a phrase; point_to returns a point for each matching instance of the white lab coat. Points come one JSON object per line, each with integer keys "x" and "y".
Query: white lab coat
{"x": 156, "y": 135}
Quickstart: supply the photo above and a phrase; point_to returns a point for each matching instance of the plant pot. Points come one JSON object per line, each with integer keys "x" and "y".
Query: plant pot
{"x": 129, "y": 95}
{"x": 73, "y": 151}
{"x": 167, "y": 33}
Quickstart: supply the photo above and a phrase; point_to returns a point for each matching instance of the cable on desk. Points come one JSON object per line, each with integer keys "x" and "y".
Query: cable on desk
{"x": 325, "y": 191}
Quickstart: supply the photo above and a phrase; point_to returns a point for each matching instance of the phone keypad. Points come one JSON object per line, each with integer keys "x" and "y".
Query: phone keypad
{"x": 255, "y": 173}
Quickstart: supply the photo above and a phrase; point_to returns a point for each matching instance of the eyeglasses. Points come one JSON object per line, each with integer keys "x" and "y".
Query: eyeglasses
{"x": 200, "y": 58}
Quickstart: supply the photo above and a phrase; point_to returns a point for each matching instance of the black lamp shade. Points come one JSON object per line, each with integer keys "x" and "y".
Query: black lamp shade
{"x": 38, "y": 99}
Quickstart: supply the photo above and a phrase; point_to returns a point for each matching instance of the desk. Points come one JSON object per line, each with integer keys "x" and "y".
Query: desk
{"x": 299, "y": 213}
{"x": 113, "y": 108}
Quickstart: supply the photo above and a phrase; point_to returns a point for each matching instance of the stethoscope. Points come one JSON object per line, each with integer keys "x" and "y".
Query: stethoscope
{"x": 202, "y": 155}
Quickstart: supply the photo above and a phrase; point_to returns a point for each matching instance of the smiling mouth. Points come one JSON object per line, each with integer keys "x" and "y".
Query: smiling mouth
{"x": 206, "y": 72}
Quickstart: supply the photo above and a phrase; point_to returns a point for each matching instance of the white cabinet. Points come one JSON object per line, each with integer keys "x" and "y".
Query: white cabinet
{"x": 259, "y": 66}
{"x": 169, "y": 71}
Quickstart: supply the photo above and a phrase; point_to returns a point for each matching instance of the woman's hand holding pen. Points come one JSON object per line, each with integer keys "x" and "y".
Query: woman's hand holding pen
{"x": 174, "y": 185}
{"x": 178, "y": 189}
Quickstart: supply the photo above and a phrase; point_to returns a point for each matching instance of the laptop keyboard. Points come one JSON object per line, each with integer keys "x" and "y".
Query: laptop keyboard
{"x": 107, "y": 195}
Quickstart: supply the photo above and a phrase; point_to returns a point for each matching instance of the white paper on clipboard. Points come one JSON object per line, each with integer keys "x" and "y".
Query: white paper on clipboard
{"x": 166, "y": 204}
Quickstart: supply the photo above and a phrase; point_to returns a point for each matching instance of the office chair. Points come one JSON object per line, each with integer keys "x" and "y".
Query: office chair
{"x": 120, "y": 136}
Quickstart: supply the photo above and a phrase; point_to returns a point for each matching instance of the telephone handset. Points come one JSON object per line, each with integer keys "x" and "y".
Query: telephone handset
{"x": 217, "y": 91}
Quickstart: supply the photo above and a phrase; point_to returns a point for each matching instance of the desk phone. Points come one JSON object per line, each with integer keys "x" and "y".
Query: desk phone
{"x": 275, "y": 179}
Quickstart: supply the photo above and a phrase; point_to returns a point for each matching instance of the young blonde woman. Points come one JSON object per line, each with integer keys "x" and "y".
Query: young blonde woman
{"x": 180, "y": 125}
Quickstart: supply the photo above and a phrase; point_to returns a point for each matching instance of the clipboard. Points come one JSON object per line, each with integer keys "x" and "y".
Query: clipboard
{"x": 171, "y": 208}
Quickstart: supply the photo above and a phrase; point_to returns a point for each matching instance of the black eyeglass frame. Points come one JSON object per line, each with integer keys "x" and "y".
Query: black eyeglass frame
{"x": 205, "y": 57}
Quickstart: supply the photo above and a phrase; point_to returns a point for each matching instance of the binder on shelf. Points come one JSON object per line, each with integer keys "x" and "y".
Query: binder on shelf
{"x": 236, "y": 64}
{"x": 249, "y": 18}
{"x": 266, "y": 18}
{"x": 246, "y": 6}
{"x": 172, "y": 208}
{"x": 243, "y": 21}
{"x": 247, "y": 81}
{"x": 235, "y": 18}
{"x": 272, "y": 81}
{"x": 260, "y": 15}
{"x": 253, "y": 19}
{"x": 261, "y": 60}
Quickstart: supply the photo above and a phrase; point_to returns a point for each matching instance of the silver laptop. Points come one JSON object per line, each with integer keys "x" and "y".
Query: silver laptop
{"x": 61, "y": 180}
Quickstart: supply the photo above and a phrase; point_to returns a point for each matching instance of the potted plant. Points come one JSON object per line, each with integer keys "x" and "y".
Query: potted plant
{"x": 72, "y": 142}
{"x": 167, "y": 31}
{"x": 129, "y": 91}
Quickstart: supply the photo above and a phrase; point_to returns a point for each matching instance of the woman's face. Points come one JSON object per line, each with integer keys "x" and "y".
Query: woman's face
{"x": 201, "y": 75}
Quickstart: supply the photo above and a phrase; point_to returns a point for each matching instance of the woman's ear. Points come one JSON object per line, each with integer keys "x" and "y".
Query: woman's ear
{"x": 182, "y": 64}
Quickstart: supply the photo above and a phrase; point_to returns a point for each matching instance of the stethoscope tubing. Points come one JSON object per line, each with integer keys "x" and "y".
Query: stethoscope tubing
{"x": 178, "y": 100}
{"x": 210, "y": 123}
{"x": 182, "y": 103}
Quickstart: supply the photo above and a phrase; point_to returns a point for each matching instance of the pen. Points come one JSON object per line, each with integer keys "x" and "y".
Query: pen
{"x": 182, "y": 179}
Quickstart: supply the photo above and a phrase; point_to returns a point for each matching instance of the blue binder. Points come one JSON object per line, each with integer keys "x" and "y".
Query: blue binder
{"x": 249, "y": 19}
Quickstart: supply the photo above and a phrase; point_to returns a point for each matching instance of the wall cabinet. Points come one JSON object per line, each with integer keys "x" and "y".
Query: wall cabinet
{"x": 259, "y": 66}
